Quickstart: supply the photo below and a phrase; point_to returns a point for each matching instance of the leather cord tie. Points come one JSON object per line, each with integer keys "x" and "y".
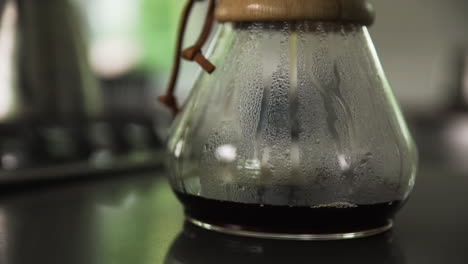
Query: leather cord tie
{"x": 193, "y": 53}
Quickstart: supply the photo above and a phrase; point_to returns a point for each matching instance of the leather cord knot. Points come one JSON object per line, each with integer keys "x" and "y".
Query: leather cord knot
{"x": 195, "y": 54}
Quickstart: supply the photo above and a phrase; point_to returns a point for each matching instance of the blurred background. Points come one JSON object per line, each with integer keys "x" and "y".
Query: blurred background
{"x": 80, "y": 78}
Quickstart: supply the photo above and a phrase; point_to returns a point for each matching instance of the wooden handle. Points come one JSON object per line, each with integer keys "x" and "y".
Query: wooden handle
{"x": 355, "y": 11}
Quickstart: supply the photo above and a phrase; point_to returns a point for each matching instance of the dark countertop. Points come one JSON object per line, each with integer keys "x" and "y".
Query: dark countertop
{"x": 135, "y": 219}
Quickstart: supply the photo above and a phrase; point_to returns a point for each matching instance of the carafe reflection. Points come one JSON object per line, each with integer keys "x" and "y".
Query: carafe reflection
{"x": 196, "y": 246}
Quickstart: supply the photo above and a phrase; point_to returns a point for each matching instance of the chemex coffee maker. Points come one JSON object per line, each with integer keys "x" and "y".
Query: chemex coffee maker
{"x": 291, "y": 130}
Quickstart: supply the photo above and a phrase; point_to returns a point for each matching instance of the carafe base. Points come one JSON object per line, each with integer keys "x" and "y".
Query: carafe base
{"x": 241, "y": 231}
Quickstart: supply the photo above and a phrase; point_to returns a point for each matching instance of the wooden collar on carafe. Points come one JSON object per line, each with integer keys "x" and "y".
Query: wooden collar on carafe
{"x": 352, "y": 11}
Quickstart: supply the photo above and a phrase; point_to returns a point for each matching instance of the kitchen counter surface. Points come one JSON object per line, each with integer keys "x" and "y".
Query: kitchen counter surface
{"x": 136, "y": 219}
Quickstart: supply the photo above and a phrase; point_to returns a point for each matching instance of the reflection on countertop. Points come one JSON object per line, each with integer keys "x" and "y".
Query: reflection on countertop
{"x": 198, "y": 246}
{"x": 135, "y": 218}
{"x": 130, "y": 219}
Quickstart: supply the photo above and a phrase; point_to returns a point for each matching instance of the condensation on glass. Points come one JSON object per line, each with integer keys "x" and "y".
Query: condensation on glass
{"x": 298, "y": 114}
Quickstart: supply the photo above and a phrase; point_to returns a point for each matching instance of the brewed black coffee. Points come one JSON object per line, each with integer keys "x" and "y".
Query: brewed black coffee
{"x": 327, "y": 219}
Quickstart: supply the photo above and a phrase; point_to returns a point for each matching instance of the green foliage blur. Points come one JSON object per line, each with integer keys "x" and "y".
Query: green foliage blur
{"x": 158, "y": 27}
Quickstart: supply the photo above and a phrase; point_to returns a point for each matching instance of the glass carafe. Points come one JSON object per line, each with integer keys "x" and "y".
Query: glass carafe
{"x": 296, "y": 134}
